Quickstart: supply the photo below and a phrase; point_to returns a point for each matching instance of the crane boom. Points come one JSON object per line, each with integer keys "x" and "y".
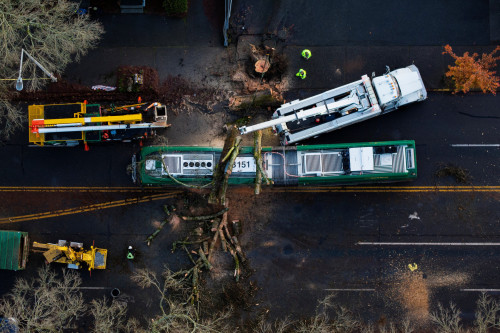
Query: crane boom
{"x": 297, "y": 116}
{"x": 348, "y": 104}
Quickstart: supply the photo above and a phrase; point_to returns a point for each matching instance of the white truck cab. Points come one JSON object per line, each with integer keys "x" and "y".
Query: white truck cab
{"x": 399, "y": 87}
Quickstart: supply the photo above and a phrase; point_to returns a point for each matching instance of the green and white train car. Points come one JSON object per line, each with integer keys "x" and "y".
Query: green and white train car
{"x": 330, "y": 164}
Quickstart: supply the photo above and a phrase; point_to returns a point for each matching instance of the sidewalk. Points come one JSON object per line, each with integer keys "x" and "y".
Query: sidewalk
{"x": 189, "y": 47}
{"x": 346, "y": 41}
{"x": 369, "y": 23}
{"x": 202, "y": 64}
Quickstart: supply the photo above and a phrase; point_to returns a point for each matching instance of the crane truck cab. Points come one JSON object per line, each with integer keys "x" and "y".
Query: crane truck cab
{"x": 399, "y": 87}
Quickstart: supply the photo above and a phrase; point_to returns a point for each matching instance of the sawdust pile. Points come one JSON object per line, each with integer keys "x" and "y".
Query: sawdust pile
{"x": 175, "y": 222}
{"x": 253, "y": 84}
{"x": 413, "y": 291}
{"x": 445, "y": 280}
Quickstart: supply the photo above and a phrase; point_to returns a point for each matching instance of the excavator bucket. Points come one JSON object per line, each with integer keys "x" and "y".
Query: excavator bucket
{"x": 99, "y": 258}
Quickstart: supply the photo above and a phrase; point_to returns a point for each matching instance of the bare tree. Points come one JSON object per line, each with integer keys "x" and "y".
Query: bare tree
{"x": 330, "y": 317}
{"x": 51, "y": 32}
{"x": 46, "y": 303}
{"x": 278, "y": 326}
{"x": 487, "y": 314}
{"x": 112, "y": 318}
{"x": 178, "y": 314}
{"x": 447, "y": 320}
{"x": 11, "y": 117}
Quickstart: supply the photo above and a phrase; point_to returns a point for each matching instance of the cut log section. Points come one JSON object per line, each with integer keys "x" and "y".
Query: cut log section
{"x": 262, "y": 66}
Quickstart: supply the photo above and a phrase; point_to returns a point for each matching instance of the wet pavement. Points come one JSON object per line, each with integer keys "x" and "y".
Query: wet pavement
{"x": 302, "y": 244}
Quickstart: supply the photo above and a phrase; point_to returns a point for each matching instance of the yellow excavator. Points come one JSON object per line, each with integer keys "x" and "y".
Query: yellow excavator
{"x": 72, "y": 254}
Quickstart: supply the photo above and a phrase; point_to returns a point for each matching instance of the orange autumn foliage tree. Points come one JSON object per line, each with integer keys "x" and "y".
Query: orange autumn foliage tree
{"x": 470, "y": 71}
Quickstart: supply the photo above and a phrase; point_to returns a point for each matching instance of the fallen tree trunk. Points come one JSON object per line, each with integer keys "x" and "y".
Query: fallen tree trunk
{"x": 186, "y": 242}
{"x": 268, "y": 181}
{"x": 219, "y": 172}
{"x": 165, "y": 221}
{"x": 201, "y": 248}
{"x": 238, "y": 248}
{"x": 236, "y": 263}
{"x": 205, "y": 217}
{"x": 217, "y": 234}
{"x": 257, "y": 148}
{"x": 260, "y": 99}
{"x": 229, "y": 169}
{"x": 204, "y": 259}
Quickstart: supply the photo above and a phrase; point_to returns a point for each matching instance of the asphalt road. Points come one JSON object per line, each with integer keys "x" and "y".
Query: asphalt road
{"x": 302, "y": 244}
{"x": 305, "y": 243}
{"x": 311, "y": 245}
{"x": 436, "y": 125}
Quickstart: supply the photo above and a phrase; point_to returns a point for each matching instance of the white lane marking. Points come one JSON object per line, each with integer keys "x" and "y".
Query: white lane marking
{"x": 457, "y": 145}
{"x": 350, "y": 289}
{"x": 427, "y": 243}
{"x": 482, "y": 290}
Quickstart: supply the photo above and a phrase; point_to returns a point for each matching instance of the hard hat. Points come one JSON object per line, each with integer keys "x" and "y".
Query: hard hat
{"x": 130, "y": 247}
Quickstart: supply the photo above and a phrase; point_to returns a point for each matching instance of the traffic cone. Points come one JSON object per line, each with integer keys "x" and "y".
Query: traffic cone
{"x": 140, "y": 143}
{"x": 139, "y": 100}
{"x": 86, "y": 146}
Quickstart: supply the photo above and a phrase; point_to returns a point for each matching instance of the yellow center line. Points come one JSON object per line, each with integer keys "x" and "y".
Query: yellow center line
{"x": 320, "y": 188}
{"x": 87, "y": 208}
{"x": 390, "y": 189}
{"x": 172, "y": 193}
{"x": 382, "y": 191}
{"x": 81, "y": 189}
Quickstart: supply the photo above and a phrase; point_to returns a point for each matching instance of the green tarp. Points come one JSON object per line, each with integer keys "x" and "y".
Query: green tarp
{"x": 12, "y": 249}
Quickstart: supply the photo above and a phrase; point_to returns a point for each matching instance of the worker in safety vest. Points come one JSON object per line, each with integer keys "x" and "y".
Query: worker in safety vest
{"x": 413, "y": 267}
{"x": 306, "y": 54}
{"x": 301, "y": 74}
{"x": 130, "y": 253}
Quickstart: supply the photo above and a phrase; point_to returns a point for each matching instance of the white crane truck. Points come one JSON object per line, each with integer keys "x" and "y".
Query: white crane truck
{"x": 345, "y": 105}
